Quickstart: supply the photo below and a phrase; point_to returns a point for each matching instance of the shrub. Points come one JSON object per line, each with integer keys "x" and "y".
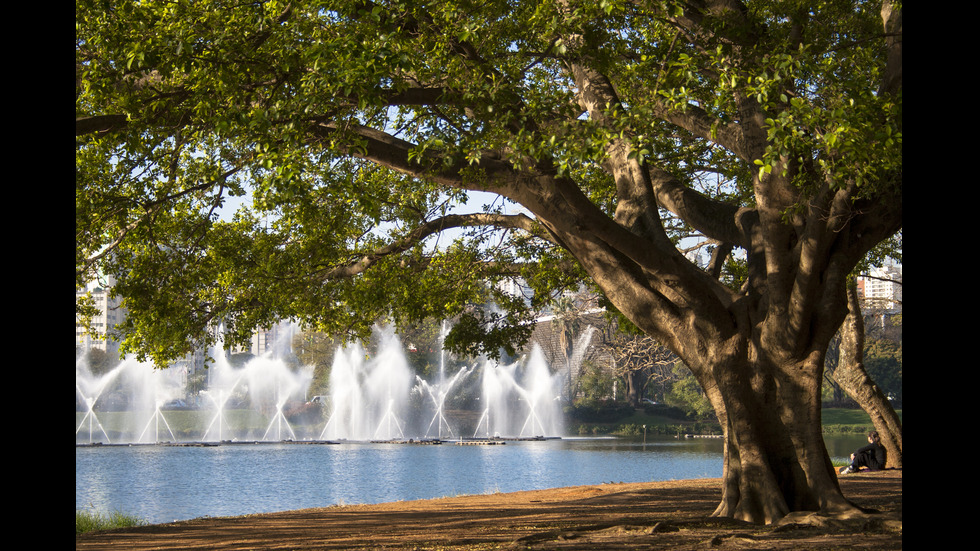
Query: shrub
{"x": 630, "y": 429}
{"x": 606, "y": 412}
{"x": 88, "y": 521}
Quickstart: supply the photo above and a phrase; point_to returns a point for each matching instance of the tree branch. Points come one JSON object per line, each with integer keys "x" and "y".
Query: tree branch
{"x": 149, "y": 209}
{"x": 892, "y": 78}
{"x": 397, "y": 154}
{"x": 99, "y": 123}
{"x": 417, "y": 235}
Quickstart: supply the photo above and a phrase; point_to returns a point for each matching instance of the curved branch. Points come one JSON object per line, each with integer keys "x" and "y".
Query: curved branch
{"x": 697, "y": 121}
{"x": 715, "y": 219}
{"x": 731, "y": 23}
{"x": 432, "y": 227}
{"x": 99, "y": 123}
{"x": 397, "y": 154}
{"x": 892, "y": 19}
{"x": 641, "y": 189}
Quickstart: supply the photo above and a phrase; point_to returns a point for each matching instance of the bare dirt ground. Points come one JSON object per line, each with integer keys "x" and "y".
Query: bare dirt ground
{"x": 654, "y": 515}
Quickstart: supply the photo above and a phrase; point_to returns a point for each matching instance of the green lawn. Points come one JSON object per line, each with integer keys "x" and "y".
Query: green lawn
{"x": 835, "y": 420}
{"x": 848, "y": 420}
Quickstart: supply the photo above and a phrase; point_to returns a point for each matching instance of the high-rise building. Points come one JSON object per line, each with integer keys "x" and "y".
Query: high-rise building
{"x": 110, "y": 314}
{"x": 882, "y": 288}
{"x": 276, "y": 340}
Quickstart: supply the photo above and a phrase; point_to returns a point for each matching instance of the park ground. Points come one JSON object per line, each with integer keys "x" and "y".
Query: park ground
{"x": 651, "y": 515}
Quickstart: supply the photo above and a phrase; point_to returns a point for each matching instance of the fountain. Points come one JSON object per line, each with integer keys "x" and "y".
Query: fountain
{"x": 215, "y": 429}
{"x": 437, "y": 394}
{"x": 133, "y": 388}
{"x": 140, "y": 401}
{"x": 372, "y": 397}
{"x": 264, "y": 387}
{"x": 88, "y": 390}
{"x": 521, "y": 399}
{"x": 368, "y": 396}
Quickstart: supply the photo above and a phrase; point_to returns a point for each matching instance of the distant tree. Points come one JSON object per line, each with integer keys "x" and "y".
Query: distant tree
{"x": 239, "y": 359}
{"x": 883, "y": 361}
{"x": 423, "y": 341}
{"x": 855, "y": 380}
{"x": 686, "y": 394}
{"x": 639, "y": 360}
{"x": 317, "y": 350}
{"x": 595, "y": 385}
{"x": 567, "y": 325}
{"x": 99, "y": 363}
{"x": 196, "y": 382}
{"x": 883, "y": 348}
{"x": 882, "y": 335}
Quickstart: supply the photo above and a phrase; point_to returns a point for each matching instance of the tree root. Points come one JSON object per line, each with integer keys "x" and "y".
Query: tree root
{"x": 849, "y": 520}
{"x": 631, "y": 528}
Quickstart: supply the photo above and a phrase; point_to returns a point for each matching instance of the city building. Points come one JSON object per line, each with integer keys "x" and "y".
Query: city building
{"x": 267, "y": 340}
{"x": 110, "y": 314}
{"x": 881, "y": 288}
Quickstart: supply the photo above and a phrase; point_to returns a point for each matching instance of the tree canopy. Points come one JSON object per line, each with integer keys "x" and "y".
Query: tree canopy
{"x": 611, "y": 131}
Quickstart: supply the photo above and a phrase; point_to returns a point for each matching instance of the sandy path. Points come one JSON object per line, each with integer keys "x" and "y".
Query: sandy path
{"x": 655, "y": 515}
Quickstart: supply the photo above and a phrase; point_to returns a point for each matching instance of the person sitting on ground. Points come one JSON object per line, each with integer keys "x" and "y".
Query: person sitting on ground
{"x": 872, "y": 456}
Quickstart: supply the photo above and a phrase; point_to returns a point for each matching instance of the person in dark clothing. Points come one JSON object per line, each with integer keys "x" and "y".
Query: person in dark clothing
{"x": 872, "y": 456}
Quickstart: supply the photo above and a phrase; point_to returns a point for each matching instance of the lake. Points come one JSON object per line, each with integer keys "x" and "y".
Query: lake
{"x": 166, "y": 483}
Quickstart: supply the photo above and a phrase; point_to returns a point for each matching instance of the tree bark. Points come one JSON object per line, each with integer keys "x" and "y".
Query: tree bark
{"x": 775, "y": 459}
{"x": 854, "y": 379}
{"x": 764, "y": 386}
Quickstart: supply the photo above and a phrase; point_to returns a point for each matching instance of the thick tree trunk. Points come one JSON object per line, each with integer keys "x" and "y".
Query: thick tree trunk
{"x": 758, "y": 353}
{"x": 775, "y": 458}
{"x": 853, "y": 378}
{"x": 765, "y": 390}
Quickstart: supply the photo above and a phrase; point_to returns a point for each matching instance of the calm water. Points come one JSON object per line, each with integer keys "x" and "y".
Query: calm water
{"x": 163, "y": 483}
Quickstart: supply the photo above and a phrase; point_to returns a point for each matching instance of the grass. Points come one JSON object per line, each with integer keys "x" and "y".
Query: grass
{"x": 845, "y": 420}
{"x": 88, "y": 521}
{"x": 839, "y": 462}
{"x": 835, "y": 421}
{"x": 632, "y": 425}
{"x": 641, "y": 418}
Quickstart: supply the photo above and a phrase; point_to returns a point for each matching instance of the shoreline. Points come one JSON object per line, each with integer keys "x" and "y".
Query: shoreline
{"x": 658, "y": 515}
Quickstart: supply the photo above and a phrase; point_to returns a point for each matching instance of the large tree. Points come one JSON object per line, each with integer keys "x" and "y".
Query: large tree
{"x": 356, "y": 128}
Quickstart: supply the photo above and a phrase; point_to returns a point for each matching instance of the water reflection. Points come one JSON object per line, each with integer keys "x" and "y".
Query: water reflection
{"x": 841, "y": 447}
{"x": 162, "y": 483}
{"x": 166, "y": 483}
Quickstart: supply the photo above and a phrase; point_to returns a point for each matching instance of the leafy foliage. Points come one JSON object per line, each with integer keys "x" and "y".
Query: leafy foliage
{"x": 595, "y": 383}
{"x": 686, "y": 395}
{"x": 883, "y": 361}
{"x": 355, "y": 133}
